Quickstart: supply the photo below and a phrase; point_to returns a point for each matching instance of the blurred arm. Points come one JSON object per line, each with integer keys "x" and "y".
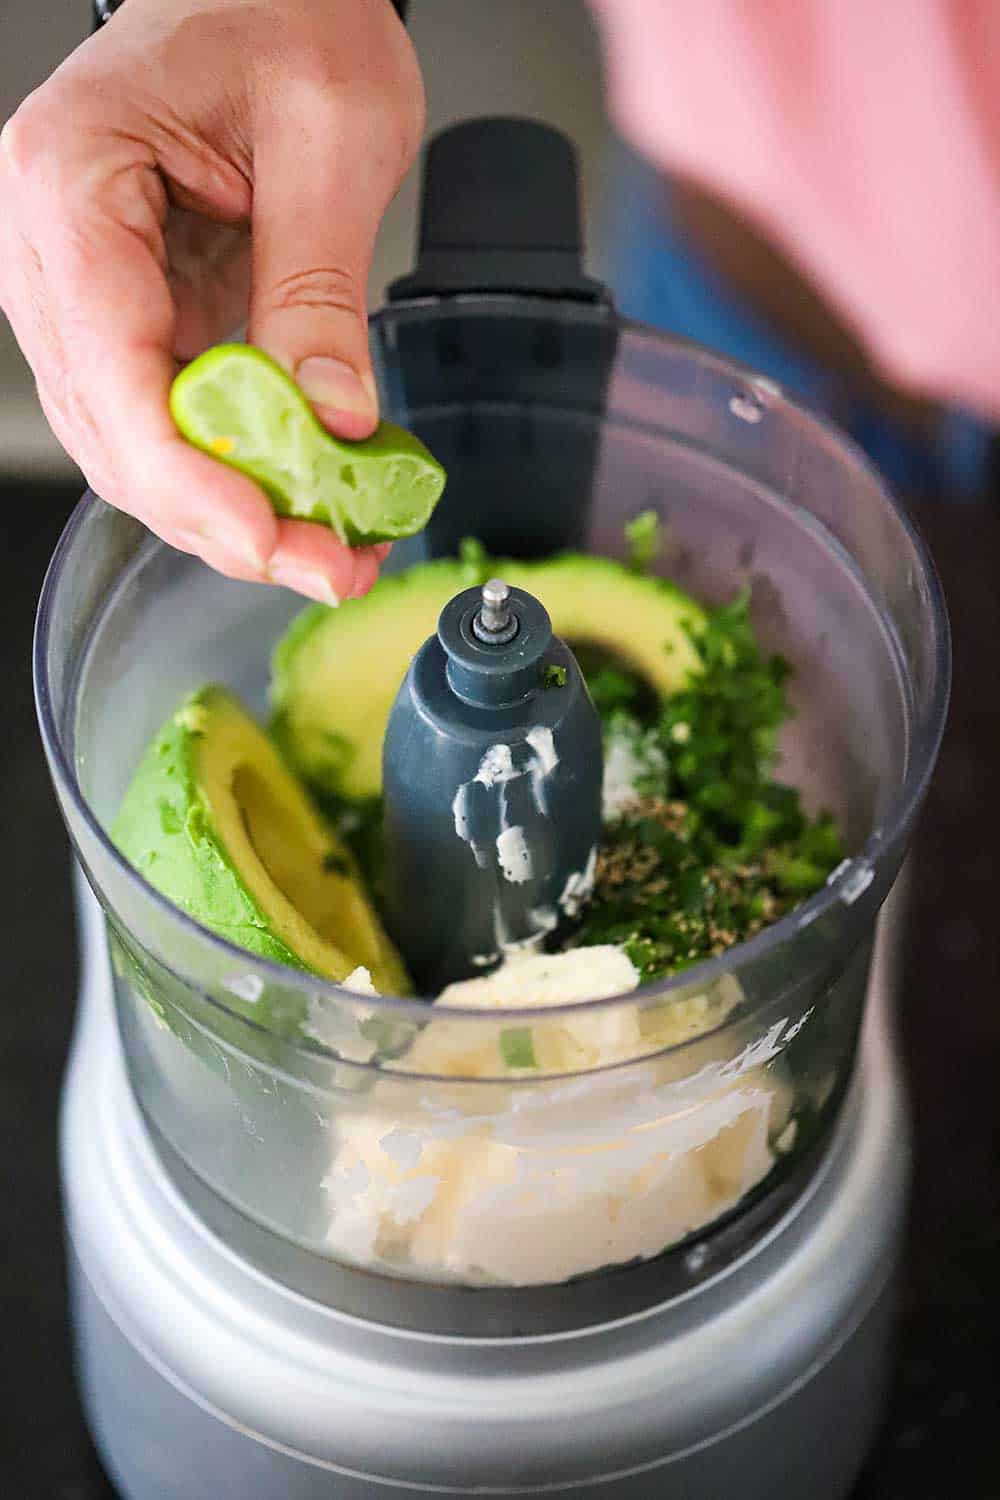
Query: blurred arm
{"x": 864, "y": 141}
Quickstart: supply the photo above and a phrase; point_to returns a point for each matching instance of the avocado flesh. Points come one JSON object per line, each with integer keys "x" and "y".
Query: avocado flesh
{"x": 213, "y": 819}
{"x": 337, "y": 671}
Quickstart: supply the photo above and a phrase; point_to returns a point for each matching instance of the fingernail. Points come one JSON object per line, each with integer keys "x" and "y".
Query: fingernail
{"x": 235, "y": 549}
{"x": 331, "y": 382}
{"x": 302, "y": 581}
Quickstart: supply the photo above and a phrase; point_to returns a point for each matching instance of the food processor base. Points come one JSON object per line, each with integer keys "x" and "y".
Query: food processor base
{"x": 202, "y": 1376}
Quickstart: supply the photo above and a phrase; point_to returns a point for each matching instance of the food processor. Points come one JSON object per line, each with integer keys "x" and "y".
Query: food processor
{"x": 307, "y": 1261}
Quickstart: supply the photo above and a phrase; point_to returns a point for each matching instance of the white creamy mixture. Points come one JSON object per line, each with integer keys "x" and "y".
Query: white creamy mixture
{"x": 579, "y": 888}
{"x": 495, "y": 770}
{"x": 514, "y": 855}
{"x": 626, "y": 757}
{"x": 526, "y": 1180}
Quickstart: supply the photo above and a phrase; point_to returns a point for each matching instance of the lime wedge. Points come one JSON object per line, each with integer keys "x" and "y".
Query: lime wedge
{"x": 235, "y": 403}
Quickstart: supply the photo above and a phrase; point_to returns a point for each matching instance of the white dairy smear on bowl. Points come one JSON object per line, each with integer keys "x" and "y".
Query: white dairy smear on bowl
{"x": 497, "y": 768}
{"x": 541, "y": 764}
{"x": 579, "y": 888}
{"x": 535, "y": 1183}
{"x": 514, "y": 855}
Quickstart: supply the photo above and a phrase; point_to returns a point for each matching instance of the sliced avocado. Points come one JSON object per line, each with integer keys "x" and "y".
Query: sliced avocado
{"x": 594, "y": 601}
{"x": 336, "y": 672}
{"x": 214, "y": 821}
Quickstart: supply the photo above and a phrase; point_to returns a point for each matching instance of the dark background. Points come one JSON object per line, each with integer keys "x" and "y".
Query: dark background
{"x": 942, "y": 1435}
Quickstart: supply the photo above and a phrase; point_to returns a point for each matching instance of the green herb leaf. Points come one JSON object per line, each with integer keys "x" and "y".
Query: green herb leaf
{"x": 475, "y": 561}
{"x": 643, "y": 535}
{"x": 553, "y": 676}
{"x": 517, "y": 1047}
{"x": 715, "y": 849}
{"x": 612, "y": 690}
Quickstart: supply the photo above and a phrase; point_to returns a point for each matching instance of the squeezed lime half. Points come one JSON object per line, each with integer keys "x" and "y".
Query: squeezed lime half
{"x": 235, "y": 403}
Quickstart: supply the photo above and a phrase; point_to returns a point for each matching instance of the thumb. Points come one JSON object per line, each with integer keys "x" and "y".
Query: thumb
{"x": 322, "y": 182}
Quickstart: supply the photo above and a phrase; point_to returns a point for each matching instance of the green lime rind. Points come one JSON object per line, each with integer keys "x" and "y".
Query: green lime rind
{"x": 239, "y": 406}
{"x": 165, "y": 830}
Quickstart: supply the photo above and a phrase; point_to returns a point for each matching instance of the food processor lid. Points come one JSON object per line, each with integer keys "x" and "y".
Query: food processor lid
{"x": 500, "y": 213}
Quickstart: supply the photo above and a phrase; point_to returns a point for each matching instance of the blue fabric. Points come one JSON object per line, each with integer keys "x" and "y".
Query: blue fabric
{"x": 659, "y": 279}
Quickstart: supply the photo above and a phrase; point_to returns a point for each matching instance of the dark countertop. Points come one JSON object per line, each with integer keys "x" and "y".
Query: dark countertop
{"x": 941, "y": 1434}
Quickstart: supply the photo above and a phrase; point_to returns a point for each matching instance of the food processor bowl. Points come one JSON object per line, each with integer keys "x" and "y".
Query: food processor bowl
{"x": 385, "y": 1135}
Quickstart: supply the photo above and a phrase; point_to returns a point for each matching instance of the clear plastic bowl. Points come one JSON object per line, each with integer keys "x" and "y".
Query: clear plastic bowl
{"x": 384, "y": 1136}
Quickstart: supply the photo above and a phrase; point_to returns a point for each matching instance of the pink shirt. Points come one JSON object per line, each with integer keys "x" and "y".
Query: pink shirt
{"x": 862, "y": 135}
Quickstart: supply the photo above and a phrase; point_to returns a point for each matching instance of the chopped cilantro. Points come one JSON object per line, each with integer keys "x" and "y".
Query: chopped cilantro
{"x": 553, "y": 676}
{"x": 644, "y": 540}
{"x": 611, "y": 690}
{"x": 713, "y": 849}
{"x": 517, "y": 1047}
{"x": 475, "y": 561}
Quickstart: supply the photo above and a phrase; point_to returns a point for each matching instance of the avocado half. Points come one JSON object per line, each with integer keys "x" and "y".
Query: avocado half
{"x": 336, "y": 672}
{"x": 214, "y": 820}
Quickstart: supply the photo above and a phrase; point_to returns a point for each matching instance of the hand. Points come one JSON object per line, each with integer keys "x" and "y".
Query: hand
{"x": 196, "y": 163}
